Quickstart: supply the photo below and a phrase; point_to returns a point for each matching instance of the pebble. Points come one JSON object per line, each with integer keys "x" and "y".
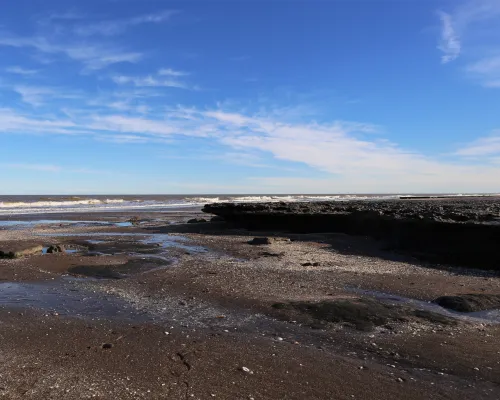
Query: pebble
{"x": 107, "y": 345}
{"x": 279, "y": 339}
{"x": 246, "y": 370}
{"x": 400, "y": 380}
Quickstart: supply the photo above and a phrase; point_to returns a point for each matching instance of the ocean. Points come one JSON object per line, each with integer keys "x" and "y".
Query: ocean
{"x": 40, "y": 204}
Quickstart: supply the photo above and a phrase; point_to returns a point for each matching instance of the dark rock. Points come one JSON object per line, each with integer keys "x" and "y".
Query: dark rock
{"x": 269, "y": 254}
{"x": 107, "y": 345}
{"x": 217, "y": 218}
{"x": 455, "y": 231}
{"x": 260, "y": 241}
{"x": 469, "y": 302}
{"x": 56, "y": 248}
{"x": 196, "y": 220}
{"x": 135, "y": 220}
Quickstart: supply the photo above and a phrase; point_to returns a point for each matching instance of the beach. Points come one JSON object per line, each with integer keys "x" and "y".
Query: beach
{"x": 182, "y": 302}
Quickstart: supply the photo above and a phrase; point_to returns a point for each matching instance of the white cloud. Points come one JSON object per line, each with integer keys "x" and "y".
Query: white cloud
{"x": 486, "y": 146}
{"x": 471, "y": 30}
{"x": 115, "y": 27}
{"x": 118, "y": 123}
{"x": 21, "y": 71}
{"x": 353, "y": 160}
{"x": 37, "y": 96}
{"x": 11, "y": 121}
{"x": 487, "y": 70}
{"x": 171, "y": 72}
{"x": 93, "y": 57}
{"x": 149, "y": 81}
{"x": 450, "y": 42}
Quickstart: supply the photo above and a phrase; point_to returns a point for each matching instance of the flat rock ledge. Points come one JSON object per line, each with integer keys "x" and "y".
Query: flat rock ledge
{"x": 463, "y": 232}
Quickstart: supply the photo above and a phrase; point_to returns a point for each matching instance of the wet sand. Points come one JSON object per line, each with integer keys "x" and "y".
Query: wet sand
{"x": 165, "y": 309}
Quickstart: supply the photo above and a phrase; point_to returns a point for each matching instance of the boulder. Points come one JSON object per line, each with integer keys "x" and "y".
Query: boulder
{"x": 267, "y": 240}
{"x": 469, "y": 302}
{"x": 260, "y": 241}
{"x": 55, "y": 248}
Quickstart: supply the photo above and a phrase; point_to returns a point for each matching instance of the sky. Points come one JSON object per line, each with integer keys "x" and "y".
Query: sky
{"x": 249, "y": 96}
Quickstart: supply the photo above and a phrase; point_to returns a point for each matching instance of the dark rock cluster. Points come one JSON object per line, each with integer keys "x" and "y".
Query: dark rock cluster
{"x": 460, "y": 231}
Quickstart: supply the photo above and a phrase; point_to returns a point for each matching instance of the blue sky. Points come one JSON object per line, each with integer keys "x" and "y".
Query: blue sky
{"x": 132, "y": 96}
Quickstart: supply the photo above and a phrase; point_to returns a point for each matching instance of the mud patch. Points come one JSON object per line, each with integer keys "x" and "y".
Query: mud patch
{"x": 361, "y": 313}
{"x": 120, "y": 271}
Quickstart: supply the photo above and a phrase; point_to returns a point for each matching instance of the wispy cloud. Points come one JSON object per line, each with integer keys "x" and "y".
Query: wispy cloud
{"x": 450, "y": 42}
{"x": 51, "y": 168}
{"x": 14, "y": 122}
{"x": 115, "y": 27}
{"x": 171, "y": 72}
{"x": 164, "y": 78}
{"x": 21, "y": 71}
{"x": 485, "y": 146}
{"x": 487, "y": 70}
{"x": 471, "y": 31}
{"x": 93, "y": 57}
{"x": 37, "y": 96}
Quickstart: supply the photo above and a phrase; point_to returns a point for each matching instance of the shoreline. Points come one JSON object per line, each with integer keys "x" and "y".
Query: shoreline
{"x": 184, "y": 307}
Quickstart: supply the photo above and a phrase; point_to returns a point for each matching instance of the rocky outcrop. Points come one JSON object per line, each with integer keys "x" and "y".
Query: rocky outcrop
{"x": 459, "y": 231}
{"x": 470, "y": 302}
{"x": 21, "y": 251}
{"x": 267, "y": 240}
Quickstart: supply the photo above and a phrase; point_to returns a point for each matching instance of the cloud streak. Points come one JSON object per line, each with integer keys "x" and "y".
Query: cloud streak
{"x": 342, "y": 150}
{"x": 471, "y": 31}
{"x": 116, "y": 27}
{"x": 21, "y": 71}
{"x": 450, "y": 42}
{"x": 93, "y": 57}
{"x": 486, "y": 146}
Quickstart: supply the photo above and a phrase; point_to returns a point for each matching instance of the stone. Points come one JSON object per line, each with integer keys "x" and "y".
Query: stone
{"x": 196, "y": 221}
{"x": 55, "y": 248}
{"x": 107, "y": 345}
{"x": 260, "y": 241}
{"x": 469, "y": 302}
{"x": 246, "y": 370}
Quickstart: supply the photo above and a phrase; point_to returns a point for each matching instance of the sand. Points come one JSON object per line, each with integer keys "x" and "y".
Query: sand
{"x": 198, "y": 318}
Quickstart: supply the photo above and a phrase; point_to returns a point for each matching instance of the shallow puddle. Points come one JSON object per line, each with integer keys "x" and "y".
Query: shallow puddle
{"x": 24, "y": 224}
{"x": 164, "y": 241}
{"x": 64, "y": 297}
